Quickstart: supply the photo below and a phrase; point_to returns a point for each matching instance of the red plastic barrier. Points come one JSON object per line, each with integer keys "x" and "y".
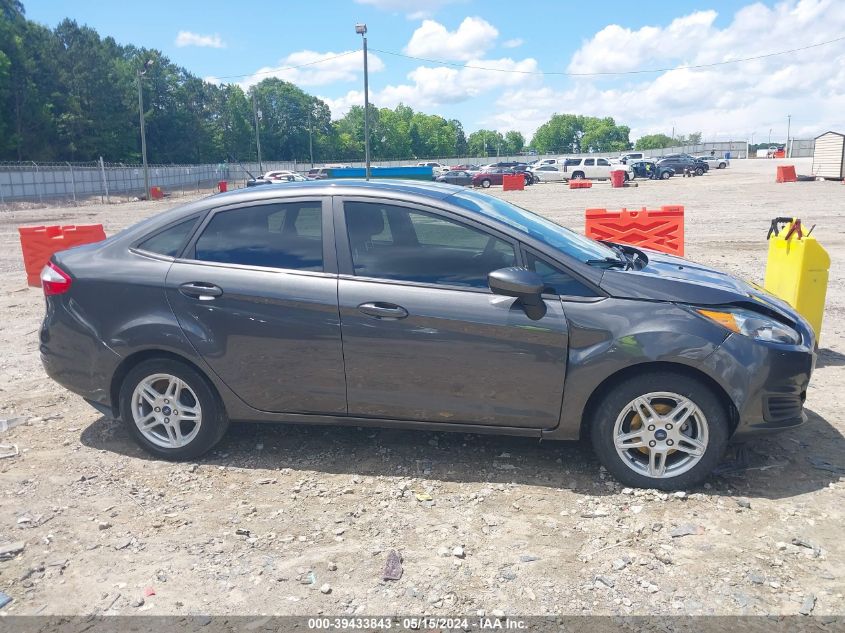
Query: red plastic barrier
{"x": 786, "y": 173}
{"x": 38, "y": 244}
{"x": 222, "y": 186}
{"x": 513, "y": 182}
{"x": 660, "y": 229}
{"x": 617, "y": 178}
{"x": 580, "y": 183}
{"x": 156, "y": 193}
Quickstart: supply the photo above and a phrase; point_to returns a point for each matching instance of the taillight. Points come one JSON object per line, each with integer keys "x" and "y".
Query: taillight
{"x": 54, "y": 280}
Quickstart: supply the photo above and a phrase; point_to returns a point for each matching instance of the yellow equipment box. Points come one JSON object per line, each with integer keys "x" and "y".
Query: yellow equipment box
{"x": 797, "y": 270}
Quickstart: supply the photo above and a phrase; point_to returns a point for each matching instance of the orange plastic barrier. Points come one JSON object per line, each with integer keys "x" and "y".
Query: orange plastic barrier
{"x": 786, "y": 173}
{"x": 617, "y": 178}
{"x": 659, "y": 229}
{"x": 38, "y": 244}
{"x": 222, "y": 186}
{"x": 580, "y": 184}
{"x": 513, "y": 182}
{"x": 781, "y": 153}
{"x": 156, "y": 193}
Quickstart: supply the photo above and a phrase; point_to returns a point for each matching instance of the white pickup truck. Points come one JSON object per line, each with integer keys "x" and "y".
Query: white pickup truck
{"x": 592, "y": 168}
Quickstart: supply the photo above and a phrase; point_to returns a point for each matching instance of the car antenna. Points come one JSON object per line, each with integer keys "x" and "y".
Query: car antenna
{"x": 235, "y": 160}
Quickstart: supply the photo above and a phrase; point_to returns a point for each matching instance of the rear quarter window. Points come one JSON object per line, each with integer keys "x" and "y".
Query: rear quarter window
{"x": 171, "y": 240}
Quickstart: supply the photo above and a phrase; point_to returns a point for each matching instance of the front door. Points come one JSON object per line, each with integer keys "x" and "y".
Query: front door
{"x": 424, "y": 339}
{"x": 256, "y": 295}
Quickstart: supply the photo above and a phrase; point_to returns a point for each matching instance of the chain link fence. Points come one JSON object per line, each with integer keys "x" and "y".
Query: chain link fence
{"x": 81, "y": 183}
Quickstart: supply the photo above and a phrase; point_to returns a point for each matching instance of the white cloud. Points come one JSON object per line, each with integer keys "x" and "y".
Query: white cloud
{"x": 187, "y": 38}
{"x": 515, "y": 42}
{"x": 472, "y": 38}
{"x": 431, "y": 87}
{"x": 723, "y": 102}
{"x": 344, "y": 67}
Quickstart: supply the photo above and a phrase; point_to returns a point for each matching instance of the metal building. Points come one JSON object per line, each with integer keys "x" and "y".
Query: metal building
{"x": 829, "y": 156}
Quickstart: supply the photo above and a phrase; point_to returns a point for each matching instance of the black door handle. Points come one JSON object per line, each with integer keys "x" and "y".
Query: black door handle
{"x": 381, "y": 310}
{"x": 200, "y": 290}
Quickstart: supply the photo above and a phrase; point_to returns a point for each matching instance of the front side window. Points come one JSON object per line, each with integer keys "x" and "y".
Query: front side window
{"x": 589, "y": 162}
{"x": 283, "y": 235}
{"x": 171, "y": 240}
{"x": 557, "y": 281}
{"x": 389, "y": 242}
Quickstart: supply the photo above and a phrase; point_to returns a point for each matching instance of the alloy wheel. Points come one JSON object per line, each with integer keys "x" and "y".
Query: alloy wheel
{"x": 661, "y": 434}
{"x": 166, "y": 410}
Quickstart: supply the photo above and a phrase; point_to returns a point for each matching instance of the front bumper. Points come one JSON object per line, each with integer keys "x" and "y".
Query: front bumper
{"x": 767, "y": 383}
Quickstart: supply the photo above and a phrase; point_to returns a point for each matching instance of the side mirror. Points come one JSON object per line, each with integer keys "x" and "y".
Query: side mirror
{"x": 526, "y": 285}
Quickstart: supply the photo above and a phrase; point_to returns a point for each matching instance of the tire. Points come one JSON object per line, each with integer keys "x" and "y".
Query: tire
{"x": 708, "y": 425}
{"x": 528, "y": 180}
{"x": 627, "y": 176}
{"x": 486, "y": 183}
{"x": 699, "y": 171}
{"x": 665, "y": 175}
{"x": 722, "y": 165}
{"x": 196, "y": 394}
{"x": 578, "y": 175}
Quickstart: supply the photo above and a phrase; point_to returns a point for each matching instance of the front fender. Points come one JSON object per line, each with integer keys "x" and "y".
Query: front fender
{"x": 608, "y": 336}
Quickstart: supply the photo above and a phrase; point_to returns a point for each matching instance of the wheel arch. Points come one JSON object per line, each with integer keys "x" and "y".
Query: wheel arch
{"x": 134, "y": 359}
{"x": 632, "y": 370}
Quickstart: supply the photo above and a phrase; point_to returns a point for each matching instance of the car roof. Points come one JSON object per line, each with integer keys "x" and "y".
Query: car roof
{"x": 341, "y": 186}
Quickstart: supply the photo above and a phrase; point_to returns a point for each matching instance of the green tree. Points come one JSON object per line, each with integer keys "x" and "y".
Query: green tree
{"x": 654, "y": 141}
{"x": 562, "y": 133}
{"x": 514, "y": 141}
{"x": 486, "y": 143}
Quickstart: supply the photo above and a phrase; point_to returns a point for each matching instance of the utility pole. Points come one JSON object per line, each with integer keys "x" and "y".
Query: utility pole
{"x": 257, "y": 136}
{"x": 141, "y": 73}
{"x": 310, "y": 143}
{"x": 361, "y": 29}
{"x": 788, "y": 130}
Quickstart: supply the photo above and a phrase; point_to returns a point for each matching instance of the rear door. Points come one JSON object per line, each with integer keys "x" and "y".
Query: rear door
{"x": 256, "y": 294}
{"x": 424, "y": 339}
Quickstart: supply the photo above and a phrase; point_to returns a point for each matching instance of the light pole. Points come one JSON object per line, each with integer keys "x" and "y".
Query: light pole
{"x": 141, "y": 73}
{"x": 361, "y": 29}
{"x": 788, "y": 130}
{"x": 257, "y": 137}
{"x": 310, "y": 143}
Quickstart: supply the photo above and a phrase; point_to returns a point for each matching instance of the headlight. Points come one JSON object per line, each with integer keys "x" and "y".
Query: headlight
{"x": 749, "y": 323}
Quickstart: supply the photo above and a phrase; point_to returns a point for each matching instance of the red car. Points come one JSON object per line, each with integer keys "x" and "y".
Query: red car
{"x": 493, "y": 176}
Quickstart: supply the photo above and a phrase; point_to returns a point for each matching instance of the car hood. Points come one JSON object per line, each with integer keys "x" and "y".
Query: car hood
{"x": 669, "y": 278}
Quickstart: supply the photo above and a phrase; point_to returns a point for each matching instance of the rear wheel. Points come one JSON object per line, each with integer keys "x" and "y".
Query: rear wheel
{"x": 660, "y": 430}
{"x": 578, "y": 175}
{"x": 171, "y": 410}
{"x": 699, "y": 171}
{"x": 722, "y": 165}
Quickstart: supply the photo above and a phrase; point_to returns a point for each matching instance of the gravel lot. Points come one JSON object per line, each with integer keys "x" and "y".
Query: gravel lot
{"x": 298, "y": 520}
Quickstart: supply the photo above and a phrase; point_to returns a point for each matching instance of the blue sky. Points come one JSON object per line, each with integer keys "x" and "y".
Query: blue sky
{"x": 233, "y": 42}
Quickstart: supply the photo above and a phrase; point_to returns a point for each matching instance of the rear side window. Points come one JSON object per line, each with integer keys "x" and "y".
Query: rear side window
{"x": 284, "y": 235}
{"x": 171, "y": 240}
{"x": 557, "y": 281}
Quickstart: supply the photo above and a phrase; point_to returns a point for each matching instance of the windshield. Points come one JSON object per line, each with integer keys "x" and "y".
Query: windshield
{"x": 563, "y": 239}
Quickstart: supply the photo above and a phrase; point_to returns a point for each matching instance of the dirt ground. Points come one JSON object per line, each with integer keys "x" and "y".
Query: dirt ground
{"x": 298, "y": 520}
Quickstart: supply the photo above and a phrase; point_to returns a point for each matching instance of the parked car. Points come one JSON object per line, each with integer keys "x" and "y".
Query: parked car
{"x": 418, "y": 306}
{"x": 437, "y": 169}
{"x": 549, "y": 173}
{"x": 650, "y": 169}
{"x": 456, "y": 177}
{"x": 592, "y": 168}
{"x": 493, "y": 176}
{"x": 318, "y": 173}
{"x": 630, "y": 156}
{"x": 546, "y": 161}
{"x": 466, "y": 168}
{"x": 714, "y": 162}
{"x": 681, "y": 162}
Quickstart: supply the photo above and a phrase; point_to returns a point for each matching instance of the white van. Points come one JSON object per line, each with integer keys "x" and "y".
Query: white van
{"x": 592, "y": 168}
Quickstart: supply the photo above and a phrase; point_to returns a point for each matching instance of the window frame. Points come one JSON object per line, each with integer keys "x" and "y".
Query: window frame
{"x": 188, "y": 255}
{"x": 345, "y": 265}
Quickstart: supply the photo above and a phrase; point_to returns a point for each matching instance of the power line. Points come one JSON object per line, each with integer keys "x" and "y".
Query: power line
{"x": 622, "y": 72}
{"x": 281, "y": 68}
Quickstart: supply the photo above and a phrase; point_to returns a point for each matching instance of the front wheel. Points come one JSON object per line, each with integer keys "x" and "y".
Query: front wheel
{"x": 171, "y": 410}
{"x": 665, "y": 175}
{"x": 660, "y": 430}
{"x": 486, "y": 183}
{"x": 722, "y": 165}
{"x": 699, "y": 171}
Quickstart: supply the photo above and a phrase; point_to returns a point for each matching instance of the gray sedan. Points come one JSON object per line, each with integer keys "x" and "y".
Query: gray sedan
{"x": 418, "y": 306}
{"x": 456, "y": 177}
